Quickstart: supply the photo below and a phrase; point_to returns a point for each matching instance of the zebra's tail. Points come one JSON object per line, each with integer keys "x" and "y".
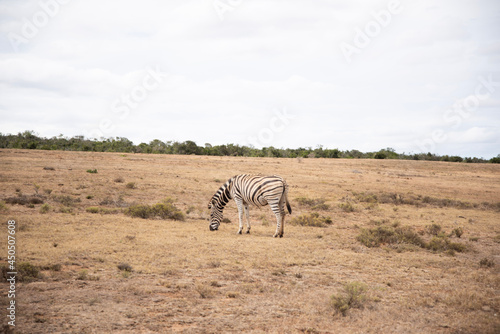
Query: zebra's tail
{"x": 285, "y": 196}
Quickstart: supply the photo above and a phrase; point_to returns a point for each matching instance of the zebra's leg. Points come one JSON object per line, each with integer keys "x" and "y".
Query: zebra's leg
{"x": 247, "y": 214}
{"x": 280, "y": 217}
{"x": 282, "y": 226}
{"x": 239, "y": 204}
{"x": 279, "y": 229}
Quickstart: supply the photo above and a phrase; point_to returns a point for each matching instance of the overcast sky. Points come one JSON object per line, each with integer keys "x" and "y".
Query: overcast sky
{"x": 416, "y": 76}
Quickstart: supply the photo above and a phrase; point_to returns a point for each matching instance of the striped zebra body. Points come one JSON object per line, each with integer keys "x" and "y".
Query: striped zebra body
{"x": 251, "y": 190}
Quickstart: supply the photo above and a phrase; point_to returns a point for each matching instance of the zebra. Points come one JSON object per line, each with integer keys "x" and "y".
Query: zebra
{"x": 248, "y": 189}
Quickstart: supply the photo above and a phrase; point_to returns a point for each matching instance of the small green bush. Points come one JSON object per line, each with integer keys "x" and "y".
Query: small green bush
{"x": 92, "y": 171}
{"x": 56, "y": 267}
{"x": 125, "y": 267}
{"x": 82, "y": 275}
{"x": 347, "y": 207}
{"x": 26, "y": 272}
{"x": 164, "y": 210}
{"x": 29, "y": 201}
{"x": 131, "y": 185}
{"x": 443, "y": 244}
{"x": 485, "y": 262}
{"x": 140, "y": 211}
{"x": 65, "y": 210}
{"x": 167, "y": 210}
{"x": 457, "y": 232}
{"x": 311, "y": 219}
{"x": 315, "y": 204}
{"x": 366, "y": 197}
{"x": 45, "y": 208}
{"x": 66, "y": 200}
{"x": 102, "y": 211}
{"x": 397, "y": 235}
{"x": 433, "y": 229}
{"x": 374, "y": 237}
{"x": 92, "y": 209}
{"x": 352, "y": 296}
{"x": 379, "y": 235}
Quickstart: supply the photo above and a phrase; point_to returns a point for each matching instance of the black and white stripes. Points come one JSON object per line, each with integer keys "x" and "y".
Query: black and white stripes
{"x": 251, "y": 190}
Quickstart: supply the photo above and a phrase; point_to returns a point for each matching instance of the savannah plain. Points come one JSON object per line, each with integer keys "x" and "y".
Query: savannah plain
{"x": 100, "y": 270}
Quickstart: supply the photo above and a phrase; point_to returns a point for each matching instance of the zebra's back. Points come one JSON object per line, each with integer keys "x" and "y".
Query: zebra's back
{"x": 258, "y": 189}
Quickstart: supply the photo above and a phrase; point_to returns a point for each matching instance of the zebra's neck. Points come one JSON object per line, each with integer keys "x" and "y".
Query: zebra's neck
{"x": 223, "y": 195}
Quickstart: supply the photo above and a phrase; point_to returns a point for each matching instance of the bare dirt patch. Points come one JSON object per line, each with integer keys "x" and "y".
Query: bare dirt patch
{"x": 101, "y": 270}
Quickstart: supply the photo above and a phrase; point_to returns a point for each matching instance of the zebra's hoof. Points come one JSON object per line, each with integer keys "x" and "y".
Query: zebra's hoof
{"x": 239, "y": 232}
{"x": 248, "y": 232}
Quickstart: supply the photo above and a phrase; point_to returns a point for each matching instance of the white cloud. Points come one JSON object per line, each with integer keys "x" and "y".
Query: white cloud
{"x": 226, "y": 78}
{"x": 474, "y": 135}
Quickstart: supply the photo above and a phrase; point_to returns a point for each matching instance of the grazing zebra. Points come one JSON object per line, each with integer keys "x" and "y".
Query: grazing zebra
{"x": 251, "y": 189}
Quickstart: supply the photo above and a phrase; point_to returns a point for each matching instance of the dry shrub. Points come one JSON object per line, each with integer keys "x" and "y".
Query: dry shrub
{"x": 139, "y": 211}
{"x": 398, "y": 235}
{"x": 457, "y": 232}
{"x": 66, "y": 200}
{"x": 352, "y": 296}
{"x": 163, "y": 210}
{"x": 3, "y": 207}
{"x": 443, "y": 244}
{"x": 315, "y": 204}
{"x": 45, "y": 208}
{"x": 377, "y": 236}
{"x": 366, "y": 197}
{"x": 117, "y": 201}
{"x": 205, "y": 291}
{"x": 485, "y": 262}
{"x": 419, "y": 201}
{"x": 24, "y": 200}
{"x": 347, "y": 207}
{"x": 433, "y": 229}
{"x": 92, "y": 209}
{"x": 26, "y": 272}
{"x": 125, "y": 267}
{"x": 311, "y": 219}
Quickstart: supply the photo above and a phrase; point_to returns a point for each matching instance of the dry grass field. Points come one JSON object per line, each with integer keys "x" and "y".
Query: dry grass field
{"x": 103, "y": 271}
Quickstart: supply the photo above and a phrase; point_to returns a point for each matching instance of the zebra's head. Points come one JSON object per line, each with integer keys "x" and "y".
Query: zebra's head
{"x": 217, "y": 204}
{"x": 215, "y": 215}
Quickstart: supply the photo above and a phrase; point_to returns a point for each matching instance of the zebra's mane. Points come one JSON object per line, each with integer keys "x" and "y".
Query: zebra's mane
{"x": 222, "y": 195}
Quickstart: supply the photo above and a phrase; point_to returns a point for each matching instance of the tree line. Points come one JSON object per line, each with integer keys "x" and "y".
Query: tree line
{"x": 29, "y": 140}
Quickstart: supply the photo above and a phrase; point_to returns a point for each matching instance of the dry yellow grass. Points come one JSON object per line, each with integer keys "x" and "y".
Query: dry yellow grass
{"x": 185, "y": 278}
